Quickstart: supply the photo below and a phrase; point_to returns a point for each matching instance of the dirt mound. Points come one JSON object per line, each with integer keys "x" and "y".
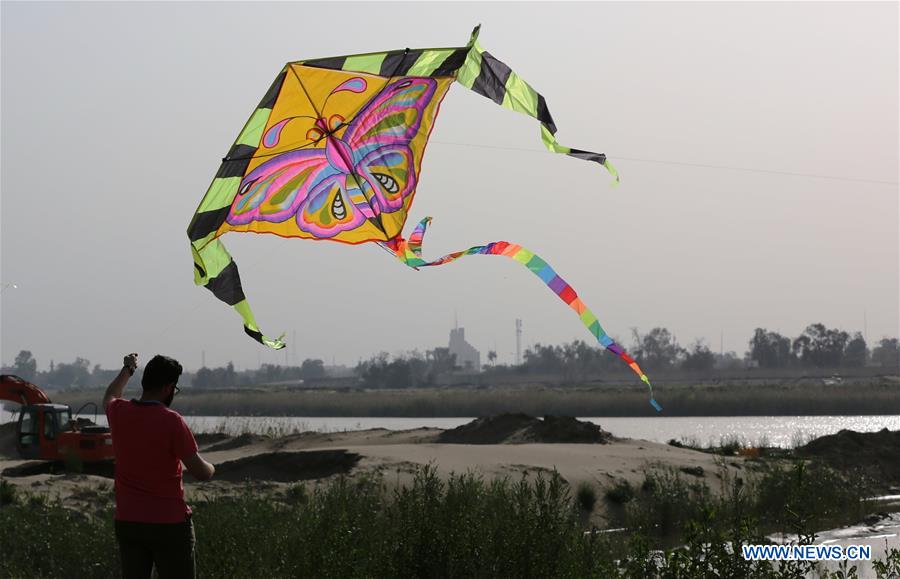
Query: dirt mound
{"x": 8, "y": 440}
{"x": 522, "y": 428}
{"x": 567, "y": 429}
{"x": 288, "y": 466}
{"x": 874, "y": 453}
{"x": 105, "y": 469}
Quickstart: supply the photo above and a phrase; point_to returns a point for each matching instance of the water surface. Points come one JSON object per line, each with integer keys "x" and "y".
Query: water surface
{"x": 781, "y": 431}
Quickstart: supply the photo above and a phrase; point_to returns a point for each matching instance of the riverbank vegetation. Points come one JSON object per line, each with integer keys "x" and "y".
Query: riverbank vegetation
{"x": 878, "y": 398}
{"x": 669, "y": 526}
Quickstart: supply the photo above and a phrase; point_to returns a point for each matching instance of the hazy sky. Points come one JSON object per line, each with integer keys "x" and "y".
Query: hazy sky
{"x": 115, "y": 117}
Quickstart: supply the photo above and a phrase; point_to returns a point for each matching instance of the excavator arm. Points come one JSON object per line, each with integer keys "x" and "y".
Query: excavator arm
{"x": 15, "y": 389}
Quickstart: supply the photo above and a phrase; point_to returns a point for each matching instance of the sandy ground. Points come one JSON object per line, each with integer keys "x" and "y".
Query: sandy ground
{"x": 276, "y": 463}
{"x": 404, "y": 451}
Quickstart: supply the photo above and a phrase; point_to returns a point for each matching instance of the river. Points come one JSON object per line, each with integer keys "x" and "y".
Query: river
{"x": 780, "y": 431}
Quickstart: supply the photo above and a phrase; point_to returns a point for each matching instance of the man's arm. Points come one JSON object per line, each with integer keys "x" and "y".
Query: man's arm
{"x": 117, "y": 386}
{"x": 199, "y": 468}
{"x": 186, "y": 450}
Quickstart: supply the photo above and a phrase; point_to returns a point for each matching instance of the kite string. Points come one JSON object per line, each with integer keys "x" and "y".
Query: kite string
{"x": 638, "y": 160}
{"x": 188, "y": 312}
{"x": 685, "y": 164}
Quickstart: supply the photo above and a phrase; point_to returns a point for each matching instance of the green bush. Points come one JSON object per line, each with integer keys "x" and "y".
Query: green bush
{"x": 889, "y": 568}
{"x": 667, "y": 500}
{"x": 586, "y": 496}
{"x": 41, "y": 538}
{"x": 463, "y": 526}
{"x": 7, "y": 493}
{"x": 808, "y": 495}
{"x": 620, "y": 493}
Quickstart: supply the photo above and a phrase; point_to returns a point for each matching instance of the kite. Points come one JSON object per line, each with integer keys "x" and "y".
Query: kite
{"x": 334, "y": 152}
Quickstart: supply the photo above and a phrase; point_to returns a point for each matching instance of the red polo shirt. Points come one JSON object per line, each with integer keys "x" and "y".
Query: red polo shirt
{"x": 150, "y": 441}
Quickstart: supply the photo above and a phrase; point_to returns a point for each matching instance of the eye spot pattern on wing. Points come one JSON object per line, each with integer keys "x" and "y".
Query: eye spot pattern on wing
{"x": 386, "y": 181}
{"x": 388, "y": 176}
{"x": 246, "y": 187}
{"x": 337, "y": 208}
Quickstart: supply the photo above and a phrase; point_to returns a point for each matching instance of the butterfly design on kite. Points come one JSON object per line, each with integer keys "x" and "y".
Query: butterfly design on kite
{"x": 365, "y": 169}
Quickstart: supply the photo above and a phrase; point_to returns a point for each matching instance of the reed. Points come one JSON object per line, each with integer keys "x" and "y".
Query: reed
{"x": 762, "y": 400}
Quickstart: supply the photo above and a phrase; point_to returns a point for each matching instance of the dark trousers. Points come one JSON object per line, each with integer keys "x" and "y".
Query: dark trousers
{"x": 168, "y": 546}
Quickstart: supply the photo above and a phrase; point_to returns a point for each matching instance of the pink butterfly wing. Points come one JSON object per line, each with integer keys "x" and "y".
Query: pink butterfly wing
{"x": 275, "y": 190}
{"x": 331, "y": 208}
{"x": 381, "y": 172}
{"x": 379, "y": 137}
{"x": 394, "y": 114}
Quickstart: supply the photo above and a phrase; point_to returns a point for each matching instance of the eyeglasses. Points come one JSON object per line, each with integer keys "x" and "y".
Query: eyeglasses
{"x": 177, "y": 389}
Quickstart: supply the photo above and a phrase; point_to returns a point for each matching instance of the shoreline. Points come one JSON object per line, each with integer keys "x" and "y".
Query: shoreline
{"x": 783, "y": 399}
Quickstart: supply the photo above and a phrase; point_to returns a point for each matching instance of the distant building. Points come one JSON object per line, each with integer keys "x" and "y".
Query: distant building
{"x": 467, "y": 357}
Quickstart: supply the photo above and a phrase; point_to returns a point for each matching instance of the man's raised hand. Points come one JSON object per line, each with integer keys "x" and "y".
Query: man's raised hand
{"x": 130, "y": 362}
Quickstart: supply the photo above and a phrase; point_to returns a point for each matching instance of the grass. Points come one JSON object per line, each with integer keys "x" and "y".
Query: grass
{"x": 241, "y": 426}
{"x": 461, "y": 527}
{"x": 782, "y": 498}
{"x": 41, "y": 538}
{"x": 736, "y": 445}
{"x": 615, "y": 400}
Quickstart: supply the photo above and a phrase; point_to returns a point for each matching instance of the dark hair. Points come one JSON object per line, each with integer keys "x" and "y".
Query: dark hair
{"x": 159, "y": 371}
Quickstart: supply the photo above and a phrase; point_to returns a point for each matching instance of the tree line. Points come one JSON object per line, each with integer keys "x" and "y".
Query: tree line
{"x": 227, "y": 377}
{"x": 816, "y": 347}
{"x": 80, "y": 374}
{"x": 657, "y": 350}
{"x": 821, "y": 347}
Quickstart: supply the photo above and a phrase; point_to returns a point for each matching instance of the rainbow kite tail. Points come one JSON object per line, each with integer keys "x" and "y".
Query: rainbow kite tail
{"x": 410, "y": 253}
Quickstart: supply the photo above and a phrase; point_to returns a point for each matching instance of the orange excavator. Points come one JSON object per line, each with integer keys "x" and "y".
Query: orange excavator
{"x": 47, "y": 431}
